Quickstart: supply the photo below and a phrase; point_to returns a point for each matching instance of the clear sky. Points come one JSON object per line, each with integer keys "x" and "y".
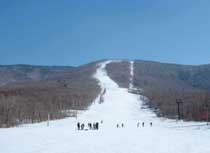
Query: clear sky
{"x": 74, "y": 32}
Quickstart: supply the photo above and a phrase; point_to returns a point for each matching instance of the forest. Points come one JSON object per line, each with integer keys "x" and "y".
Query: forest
{"x": 60, "y": 96}
{"x": 163, "y": 84}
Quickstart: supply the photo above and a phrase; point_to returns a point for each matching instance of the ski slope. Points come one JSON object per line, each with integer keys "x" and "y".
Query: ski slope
{"x": 119, "y": 106}
{"x": 131, "y": 75}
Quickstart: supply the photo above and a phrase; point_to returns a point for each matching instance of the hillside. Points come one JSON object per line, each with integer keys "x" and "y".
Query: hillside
{"x": 125, "y": 126}
{"x": 164, "y": 83}
{"x": 30, "y": 93}
{"x": 120, "y": 72}
{"x": 22, "y": 73}
{"x": 149, "y": 74}
{"x": 171, "y": 75}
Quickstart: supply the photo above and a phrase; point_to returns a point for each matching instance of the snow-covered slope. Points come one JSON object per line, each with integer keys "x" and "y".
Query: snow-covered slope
{"x": 131, "y": 75}
{"x": 119, "y": 106}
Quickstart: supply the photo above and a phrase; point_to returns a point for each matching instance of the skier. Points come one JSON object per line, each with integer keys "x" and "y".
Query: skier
{"x": 97, "y": 125}
{"x": 82, "y": 126}
{"x": 94, "y": 126}
{"x": 122, "y": 125}
{"x": 78, "y": 126}
{"x": 117, "y": 125}
{"x": 142, "y": 124}
{"x": 101, "y": 121}
{"x": 90, "y": 126}
{"x": 138, "y": 124}
{"x": 151, "y": 124}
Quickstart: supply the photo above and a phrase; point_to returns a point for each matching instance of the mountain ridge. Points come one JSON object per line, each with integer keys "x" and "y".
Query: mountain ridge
{"x": 29, "y": 93}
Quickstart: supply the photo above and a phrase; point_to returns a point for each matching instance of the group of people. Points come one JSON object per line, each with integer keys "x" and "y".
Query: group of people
{"x": 95, "y": 125}
{"x": 91, "y": 126}
{"x": 120, "y": 125}
{"x": 138, "y": 125}
{"x": 142, "y": 124}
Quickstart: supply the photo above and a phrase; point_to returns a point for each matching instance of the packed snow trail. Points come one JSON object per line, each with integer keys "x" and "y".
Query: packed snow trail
{"x": 119, "y": 106}
{"x": 131, "y": 75}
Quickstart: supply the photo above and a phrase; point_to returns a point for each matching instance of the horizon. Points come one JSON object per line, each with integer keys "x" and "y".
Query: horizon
{"x": 106, "y": 60}
{"x": 73, "y": 33}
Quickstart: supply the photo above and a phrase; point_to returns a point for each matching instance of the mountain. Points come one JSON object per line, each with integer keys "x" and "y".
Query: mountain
{"x": 123, "y": 126}
{"x": 23, "y": 73}
{"x": 171, "y": 75}
{"x": 163, "y": 84}
{"x": 148, "y": 74}
{"x": 29, "y": 93}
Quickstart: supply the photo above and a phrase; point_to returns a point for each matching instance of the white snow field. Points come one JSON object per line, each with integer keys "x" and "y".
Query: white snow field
{"x": 119, "y": 106}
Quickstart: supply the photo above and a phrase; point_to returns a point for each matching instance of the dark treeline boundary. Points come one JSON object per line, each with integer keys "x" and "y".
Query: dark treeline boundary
{"x": 195, "y": 104}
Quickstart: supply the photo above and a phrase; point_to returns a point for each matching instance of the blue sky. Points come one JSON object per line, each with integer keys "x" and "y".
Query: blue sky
{"x": 74, "y": 32}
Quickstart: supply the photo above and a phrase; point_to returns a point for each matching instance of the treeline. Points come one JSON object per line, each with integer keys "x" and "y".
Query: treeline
{"x": 119, "y": 72}
{"x": 165, "y": 84}
{"x": 57, "y": 91}
{"x": 32, "y": 103}
{"x": 195, "y": 105}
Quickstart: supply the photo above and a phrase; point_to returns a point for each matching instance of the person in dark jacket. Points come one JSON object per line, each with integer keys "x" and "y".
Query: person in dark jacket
{"x": 138, "y": 124}
{"x": 151, "y": 124}
{"x": 94, "y": 126}
{"x": 142, "y": 124}
{"x": 97, "y": 125}
{"x": 90, "y": 126}
{"x": 117, "y": 126}
{"x": 78, "y": 126}
{"x": 82, "y": 126}
{"x": 122, "y": 125}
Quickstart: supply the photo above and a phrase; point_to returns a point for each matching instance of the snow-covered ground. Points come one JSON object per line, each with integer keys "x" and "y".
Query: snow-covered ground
{"x": 131, "y": 74}
{"x": 165, "y": 136}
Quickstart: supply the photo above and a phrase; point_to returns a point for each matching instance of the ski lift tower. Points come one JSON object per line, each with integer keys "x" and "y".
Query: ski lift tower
{"x": 179, "y": 102}
{"x": 207, "y": 114}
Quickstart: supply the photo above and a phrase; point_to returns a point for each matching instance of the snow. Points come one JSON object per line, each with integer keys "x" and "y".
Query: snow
{"x": 166, "y": 136}
{"x": 131, "y": 74}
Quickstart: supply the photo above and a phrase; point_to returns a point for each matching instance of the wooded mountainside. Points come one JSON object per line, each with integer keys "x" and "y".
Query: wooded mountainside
{"x": 163, "y": 84}
{"x": 30, "y": 93}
